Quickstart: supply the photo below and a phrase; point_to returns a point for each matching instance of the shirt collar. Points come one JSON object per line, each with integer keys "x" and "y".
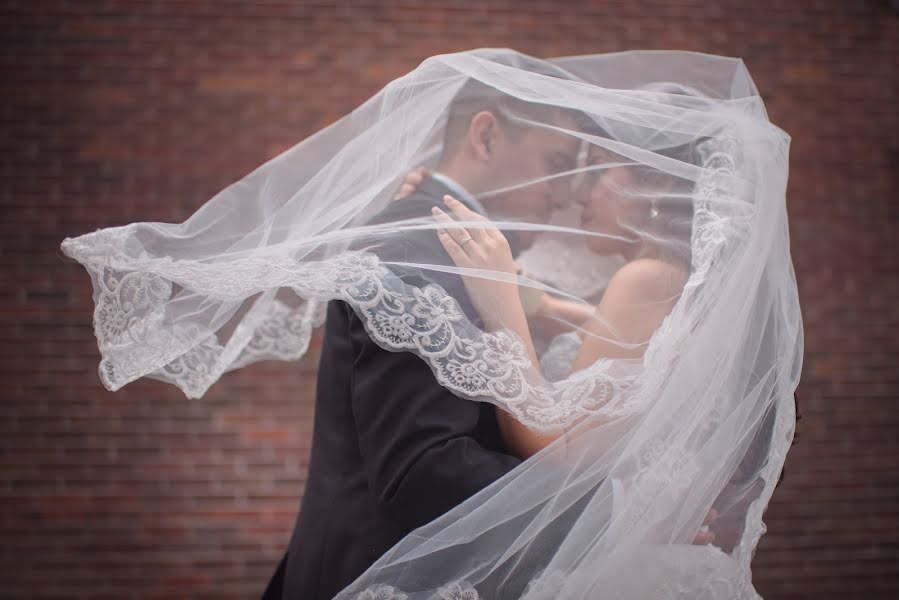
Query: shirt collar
{"x": 456, "y": 188}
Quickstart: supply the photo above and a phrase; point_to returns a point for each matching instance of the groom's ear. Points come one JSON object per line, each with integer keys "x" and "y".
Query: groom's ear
{"x": 482, "y": 135}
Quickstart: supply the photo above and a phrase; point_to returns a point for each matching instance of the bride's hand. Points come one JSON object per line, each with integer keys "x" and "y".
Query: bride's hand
{"x": 411, "y": 181}
{"x": 482, "y": 247}
{"x": 705, "y": 536}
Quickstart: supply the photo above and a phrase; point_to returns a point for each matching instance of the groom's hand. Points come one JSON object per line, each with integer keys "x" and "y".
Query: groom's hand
{"x": 705, "y": 536}
{"x": 411, "y": 182}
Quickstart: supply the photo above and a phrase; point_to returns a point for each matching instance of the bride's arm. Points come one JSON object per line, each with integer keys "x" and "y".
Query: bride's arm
{"x": 638, "y": 298}
{"x": 485, "y": 248}
{"x": 558, "y": 315}
{"x": 497, "y": 302}
{"x": 520, "y": 439}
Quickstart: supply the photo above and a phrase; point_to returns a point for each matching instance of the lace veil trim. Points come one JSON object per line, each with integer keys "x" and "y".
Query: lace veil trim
{"x": 492, "y": 366}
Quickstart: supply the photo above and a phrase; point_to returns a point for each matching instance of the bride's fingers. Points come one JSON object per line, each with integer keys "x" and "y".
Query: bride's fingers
{"x": 466, "y": 214}
{"x": 456, "y": 252}
{"x": 460, "y": 209}
{"x": 452, "y": 230}
{"x": 488, "y": 231}
{"x": 704, "y": 537}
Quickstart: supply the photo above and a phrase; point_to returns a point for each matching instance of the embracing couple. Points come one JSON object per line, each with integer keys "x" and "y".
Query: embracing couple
{"x": 612, "y": 424}
{"x": 393, "y": 449}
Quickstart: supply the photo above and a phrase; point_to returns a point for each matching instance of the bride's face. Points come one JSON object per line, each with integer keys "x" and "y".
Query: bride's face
{"x": 608, "y": 204}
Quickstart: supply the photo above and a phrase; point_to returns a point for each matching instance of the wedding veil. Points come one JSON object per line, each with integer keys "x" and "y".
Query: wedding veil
{"x": 642, "y": 191}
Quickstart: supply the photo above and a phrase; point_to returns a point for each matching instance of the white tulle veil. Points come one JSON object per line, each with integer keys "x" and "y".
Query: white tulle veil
{"x": 696, "y": 415}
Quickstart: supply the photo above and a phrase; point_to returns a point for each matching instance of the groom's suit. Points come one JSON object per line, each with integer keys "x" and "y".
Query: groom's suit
{"x": 392, "y": 449}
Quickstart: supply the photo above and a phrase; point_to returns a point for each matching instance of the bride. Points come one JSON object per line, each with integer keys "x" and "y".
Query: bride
{"x": 655, "y": 243}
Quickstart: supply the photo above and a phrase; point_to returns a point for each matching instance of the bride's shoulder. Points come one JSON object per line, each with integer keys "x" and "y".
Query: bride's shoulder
{"x": 647, "y": 278}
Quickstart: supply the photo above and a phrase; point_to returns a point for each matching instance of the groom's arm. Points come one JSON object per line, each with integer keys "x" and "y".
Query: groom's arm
{"x": 415, "y": 436}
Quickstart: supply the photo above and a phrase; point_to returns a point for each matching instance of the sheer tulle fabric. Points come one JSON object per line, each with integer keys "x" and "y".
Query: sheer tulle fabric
{"x": 667, "y": 151}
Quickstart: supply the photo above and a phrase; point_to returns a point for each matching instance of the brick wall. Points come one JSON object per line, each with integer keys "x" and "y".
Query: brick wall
{"x": 140, "y": 111}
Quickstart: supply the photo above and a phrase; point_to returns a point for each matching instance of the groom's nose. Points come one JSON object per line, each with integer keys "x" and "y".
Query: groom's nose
{"x": 560, "y": 196}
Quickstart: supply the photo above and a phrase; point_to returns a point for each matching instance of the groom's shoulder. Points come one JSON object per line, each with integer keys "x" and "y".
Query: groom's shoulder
{"x": 415, "y": 205}
{"x": 403, "y": 242}
{"x": 418, "y": 203}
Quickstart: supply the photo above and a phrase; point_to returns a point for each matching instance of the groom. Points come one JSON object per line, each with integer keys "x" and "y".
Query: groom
{"x": 393, "y": 449}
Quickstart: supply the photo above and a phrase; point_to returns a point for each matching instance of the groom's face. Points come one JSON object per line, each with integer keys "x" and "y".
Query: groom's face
{"x": 531, "y": 159}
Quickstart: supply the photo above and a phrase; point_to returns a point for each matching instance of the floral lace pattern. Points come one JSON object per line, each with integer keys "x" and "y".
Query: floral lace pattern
{"x": 136, "y": 340}
{"x": 381, "y": 592}
{"x": 692, "y": 573}
{"x": 458, "y": 590}
{"x": 491, "y": 366}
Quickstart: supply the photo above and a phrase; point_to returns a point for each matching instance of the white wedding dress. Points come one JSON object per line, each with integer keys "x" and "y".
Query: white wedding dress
{"x": 689, "y": 571}
{"x": 556, "y": 361}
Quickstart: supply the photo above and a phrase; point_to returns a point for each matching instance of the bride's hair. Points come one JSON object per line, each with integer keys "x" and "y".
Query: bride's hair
{"x": 668, "y": 231}
{"x": 671, "y": 218}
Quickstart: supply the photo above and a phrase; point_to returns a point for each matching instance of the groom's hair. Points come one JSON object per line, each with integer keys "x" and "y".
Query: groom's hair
{"x": 475, "y": 96}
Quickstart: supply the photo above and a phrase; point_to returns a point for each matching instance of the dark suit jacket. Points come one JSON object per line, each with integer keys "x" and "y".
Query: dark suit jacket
{"x": 392, "y": 449}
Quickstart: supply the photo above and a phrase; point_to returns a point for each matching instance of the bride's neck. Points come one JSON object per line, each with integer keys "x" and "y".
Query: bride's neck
{"x": 648, "y": 250}
{"x": 643, "y": 250}
{"x": 636, "y": 250}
